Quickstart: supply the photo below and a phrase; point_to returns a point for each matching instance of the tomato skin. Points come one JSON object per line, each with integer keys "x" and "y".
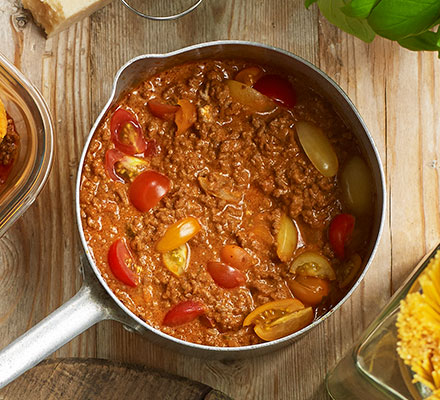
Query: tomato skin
{"x": 339, "y": 233}
{"x": 183, "y": 313}
{"x": 309, "y": 289}
{"x": 152, "y": 149}
{"x": 118, "y": 255}
{"x": 225, "y": 276}
{"x": 186, "y": 116}
{"x": 178, "y": 233}
{"x": 236, "y": 257}
{"x": 123, "y": 121}
{"x": 278, "y": 89}
{"x": 147, "y": 190}
{"x": 162, "y": 110}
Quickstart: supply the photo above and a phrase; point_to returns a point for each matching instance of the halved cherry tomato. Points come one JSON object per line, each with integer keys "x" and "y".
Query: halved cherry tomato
{"x": 121, "y": 167}
{"x": 186, "y": 116}
{"x": 249, "y": 97}
{"x": 162, "y": 110}
{"x": 178, "y": 233}
{"x": 318, "y": 148}
{"x": 176, "y": 260}
{"x": 309, "y": 289}
{"x": 120, "y": 261}
{"x": 225, "y": 276}
{"x": 126, "y": 132}
{"x": 287, "y": 238}
{"x": 278, "y": 89}
{"x": 249, "y": 75}
{"x": 147, "y": 189}
{"x": 183, "y": 313}
{"x": 279, "y": 318}
{"x": 339, "y": 233}
{"x": 312, "y": 264}
{"x": 236, "y": 257}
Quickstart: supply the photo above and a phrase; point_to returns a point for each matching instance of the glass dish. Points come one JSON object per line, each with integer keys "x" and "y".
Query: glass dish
{"x": 372, "y": 369}
{"x": 33, "y": 122}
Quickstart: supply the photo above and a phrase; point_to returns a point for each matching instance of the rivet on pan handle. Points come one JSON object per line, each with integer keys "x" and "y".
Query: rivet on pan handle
{"x": 162, "y": 18}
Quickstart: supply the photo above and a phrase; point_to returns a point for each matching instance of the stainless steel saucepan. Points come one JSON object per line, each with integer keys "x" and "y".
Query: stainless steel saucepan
{"x": 96, "y": 302}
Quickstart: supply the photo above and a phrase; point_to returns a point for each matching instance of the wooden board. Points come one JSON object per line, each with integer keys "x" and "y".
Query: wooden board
{"x": 94, "y": 379}
{"x": 395, "y": 90}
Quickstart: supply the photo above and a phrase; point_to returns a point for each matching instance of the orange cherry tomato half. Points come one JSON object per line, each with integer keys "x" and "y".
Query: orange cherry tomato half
{"x": 186, "y": 116}
{"x": 147, "y": 189}
{"x": 225, "y": 276}
{"x": 162, "y": 110}
{"x": 120, "y": 261}
{"x": 121, "y": 167}
{"x": 178, "y": 233}
{"x": 249, "y": 75}
{"x": 339, "y": 233}
{"x": 183, "y": 313}
{"x": 126, "y": 133}
{"x": 309, "y": 289}
{"x": 278, "y": 89}
{"x": 236, "y": 257}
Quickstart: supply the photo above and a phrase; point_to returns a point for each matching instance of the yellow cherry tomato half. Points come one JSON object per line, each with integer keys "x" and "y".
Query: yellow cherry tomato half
{"x": 286, "y": 325}
{"x": 272, "y": 311}
{"x": 249, "y": 97}
{"x": 318, "y": 148}
{"x": 176, "y": 260}
{"x": 186, "y": 116}
{"x": 249, "y": 76}
{"x": 178, "y": 233}
{"x": 312, "y": 264}
{"x": 287, "y": 238}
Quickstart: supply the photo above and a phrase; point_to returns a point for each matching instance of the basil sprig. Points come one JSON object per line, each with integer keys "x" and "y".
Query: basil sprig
{"x": 414, "y": 24}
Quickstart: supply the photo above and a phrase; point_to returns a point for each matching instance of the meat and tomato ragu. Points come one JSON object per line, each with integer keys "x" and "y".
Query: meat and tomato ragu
{"x": 226, "y": 203}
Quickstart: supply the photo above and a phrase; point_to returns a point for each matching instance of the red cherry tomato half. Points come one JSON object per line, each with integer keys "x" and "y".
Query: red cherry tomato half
{"x": 225, "y": 276}
{"x": 147, "y": 189}
{"x": 162, "y": 110}
{"x": 183, "y": 313}
{"x": 278, "y": 89}
{"x": 127, "y": 133}
{"x": 120, "y": 260}
{"x": 339, "y": 233}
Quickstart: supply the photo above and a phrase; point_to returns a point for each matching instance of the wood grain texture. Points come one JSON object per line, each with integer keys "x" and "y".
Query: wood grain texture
{"x": 395, "y": 90}
{"x": 95, "y": 379}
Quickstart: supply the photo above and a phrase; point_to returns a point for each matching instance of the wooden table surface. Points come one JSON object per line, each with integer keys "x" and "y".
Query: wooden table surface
{"x": 394, "y": 90}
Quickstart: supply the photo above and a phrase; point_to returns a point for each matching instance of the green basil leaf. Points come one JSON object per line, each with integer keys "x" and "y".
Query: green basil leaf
{"x": 359, "y": 8}
{"x": 332, "y": 10}
{"x": 428, "y": 41}
{"x": 397, "y": 19}
{"x": 308, "y": 3}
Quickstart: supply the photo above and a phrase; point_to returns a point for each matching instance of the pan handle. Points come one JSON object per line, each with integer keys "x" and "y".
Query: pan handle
{"x": 89, "y": 306}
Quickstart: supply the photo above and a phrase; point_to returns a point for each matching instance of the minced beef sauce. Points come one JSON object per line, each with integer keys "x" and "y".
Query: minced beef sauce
{"x": 255, "y": 157}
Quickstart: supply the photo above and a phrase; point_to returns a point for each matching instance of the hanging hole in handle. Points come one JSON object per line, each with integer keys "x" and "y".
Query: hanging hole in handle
{"x": 163, "y": 10}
